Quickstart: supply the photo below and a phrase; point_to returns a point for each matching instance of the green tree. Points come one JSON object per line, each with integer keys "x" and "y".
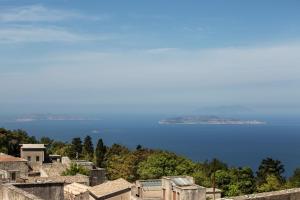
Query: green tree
{"x": 164, "y": 164}
{"x": 269, "y": 167}
{"x": 75, "y": 150}
{"x": 100, "y": 153}
{"x": 75, "y": 169}
{"x": 88, "y": 148}
{"x": 294, "y": 180}
{"x": 272, "y": 184}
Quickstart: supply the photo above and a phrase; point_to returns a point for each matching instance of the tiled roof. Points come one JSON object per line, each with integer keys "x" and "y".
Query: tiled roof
{"x": 110, "y": 187}
{"x": 8, "y": 158}
{"x": 32, "y": 146}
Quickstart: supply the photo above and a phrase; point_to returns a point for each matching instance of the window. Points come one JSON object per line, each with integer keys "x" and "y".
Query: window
{"x": 13, "y": 176}
{"x": 37, "y": 159}
{"x": 28, "y": 158}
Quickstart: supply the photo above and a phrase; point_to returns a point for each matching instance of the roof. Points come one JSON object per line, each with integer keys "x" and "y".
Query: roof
{"x": 182, "y": 181}
{"x": 110, "y": 187}
{"x": 8, "y": 158}
{"x": 76, "y": 188}
{"x": 33, "y": 146}
{"x": 151, "y": 183}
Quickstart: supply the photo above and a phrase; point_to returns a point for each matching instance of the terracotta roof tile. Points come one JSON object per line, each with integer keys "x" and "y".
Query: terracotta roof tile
{"x": 8, "y": 158}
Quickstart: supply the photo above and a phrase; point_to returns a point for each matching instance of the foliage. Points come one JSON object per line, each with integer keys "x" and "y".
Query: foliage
{"x": 75, "y": 169}
{"x": 88, "y": 148}
{"x": 294, "y": 180}
{"x": 272, "y": 183}
{"x": 269, "y": 167}
{"x": 75, "y": 150}
{"x": 100, "y": 153}
{"x": 164, "y": 164}
{"x": 10, "y": 141}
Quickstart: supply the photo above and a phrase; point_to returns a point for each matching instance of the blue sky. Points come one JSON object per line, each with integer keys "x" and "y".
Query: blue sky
{"x": 149, "y": 56}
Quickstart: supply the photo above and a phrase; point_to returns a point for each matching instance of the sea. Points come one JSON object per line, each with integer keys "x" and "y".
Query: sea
{"x": 237, "y": 145}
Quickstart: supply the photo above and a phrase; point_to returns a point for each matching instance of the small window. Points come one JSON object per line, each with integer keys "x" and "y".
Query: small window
{"x": 28, "y": 158}
{"x": 37, "y": 159}
{"x": 13, "y": 176}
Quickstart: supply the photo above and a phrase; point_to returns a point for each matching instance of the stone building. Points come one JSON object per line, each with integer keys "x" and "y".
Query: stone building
{"x": 118, "y": 189}
{"x": 12, "y": 168}
{"x": 169, "y": 188}
{"x": 34, "y": 153}
{"x": 76, "y": 191}
{"x": 182, "y": 188}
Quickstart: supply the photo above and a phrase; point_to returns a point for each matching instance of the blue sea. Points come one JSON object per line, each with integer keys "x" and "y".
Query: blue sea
{"x": 237, "y": 145}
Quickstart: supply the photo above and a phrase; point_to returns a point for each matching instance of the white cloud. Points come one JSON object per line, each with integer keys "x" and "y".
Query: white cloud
{"x": 24, "y": 34}
{"x": 39, "y": 13}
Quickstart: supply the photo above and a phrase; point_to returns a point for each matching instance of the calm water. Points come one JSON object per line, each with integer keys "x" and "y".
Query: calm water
{"x": 235, "y": 144}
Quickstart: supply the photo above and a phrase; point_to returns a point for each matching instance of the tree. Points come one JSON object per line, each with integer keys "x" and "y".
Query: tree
{"x": 272, "y": 184}
{"x": 75, "y": 150}
{"x": 164, "y": 164}
{"x": 100, "y": 153}
{"x": 269, "y": 167}
{"x": 75, "y": 169}
{"x": 294, "y": 181}
{"x": 88, "y": 149}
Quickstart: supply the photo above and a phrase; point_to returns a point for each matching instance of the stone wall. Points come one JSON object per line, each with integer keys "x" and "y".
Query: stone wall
{"x": 97, "y": 176}
{"x": 290, "y": 194}
{"x": 20, "y": 166}
{"x": 10, "y": 192}
{"x": 51, "y": 190}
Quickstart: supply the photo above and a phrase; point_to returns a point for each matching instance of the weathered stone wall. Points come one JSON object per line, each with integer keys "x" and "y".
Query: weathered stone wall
{"x": 97, "y": 176}
{"x": 19, "y": 166}
{"x": 53, "y": 191}
{"x": 33, "y": 154}
{"x": 10, "y": 192}
{"x": 290, "y": 194}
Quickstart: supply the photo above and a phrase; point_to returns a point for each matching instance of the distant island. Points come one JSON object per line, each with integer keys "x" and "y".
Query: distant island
{"x": 213, "y": 120}
{"x": 51, "y": 117}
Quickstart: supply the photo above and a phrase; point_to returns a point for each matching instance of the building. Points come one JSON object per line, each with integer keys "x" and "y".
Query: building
{"x": 34, "y": 153}
{"x": 169, "y": 188}
{"x": 148, "y": 189}
{"x": 182, "y": 188}
{"x": 12, "y": 168}
{"x": 118, "y": 189}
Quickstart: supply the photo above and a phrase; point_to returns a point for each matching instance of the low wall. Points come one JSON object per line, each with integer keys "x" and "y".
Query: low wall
{"x": 51, "y": 190}
{"x": 10, "y": 192}
{"x": 290, "y": 194}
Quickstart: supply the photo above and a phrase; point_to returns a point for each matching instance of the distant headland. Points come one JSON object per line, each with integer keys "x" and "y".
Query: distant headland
{"x": 213, "y": 120}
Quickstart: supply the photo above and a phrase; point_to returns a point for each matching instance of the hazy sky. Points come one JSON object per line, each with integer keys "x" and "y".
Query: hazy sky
{"x": 149, "y": 56}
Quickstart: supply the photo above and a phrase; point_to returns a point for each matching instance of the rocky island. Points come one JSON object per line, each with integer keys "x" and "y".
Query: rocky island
{"x": 213, "y": 120}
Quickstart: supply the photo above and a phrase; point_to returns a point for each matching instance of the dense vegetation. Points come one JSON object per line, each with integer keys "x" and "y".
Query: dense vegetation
{"x": 143, "y": 163}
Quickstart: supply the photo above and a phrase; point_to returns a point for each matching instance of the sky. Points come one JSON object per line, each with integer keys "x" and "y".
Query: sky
{"x": 138, "y": 56}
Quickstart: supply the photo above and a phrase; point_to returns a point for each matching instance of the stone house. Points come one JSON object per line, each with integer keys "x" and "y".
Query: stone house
{"x": 182, "y": 188}
{"x": 34, "y": 153}
{"x": 13, "y": 168}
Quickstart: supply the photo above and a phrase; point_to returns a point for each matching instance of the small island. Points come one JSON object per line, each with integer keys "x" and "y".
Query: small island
{"x": 212, "y": 120}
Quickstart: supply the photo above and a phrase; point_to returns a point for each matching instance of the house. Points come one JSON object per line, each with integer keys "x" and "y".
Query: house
{"x": 12, "y": 168}
{"x": 169, "y": 188}
{"x": 148, "y": 189}
{"x": 118, "y": 189}
{"x": 181, "y": 188}
{"x": 34, "y": 153}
